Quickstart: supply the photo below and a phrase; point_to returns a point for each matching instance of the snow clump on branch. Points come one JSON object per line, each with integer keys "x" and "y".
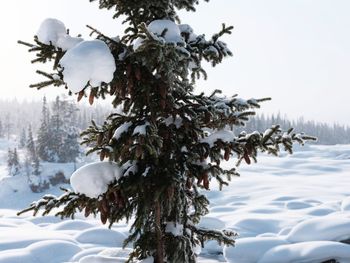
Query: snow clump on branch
{"x": 54, "y": 32}
{"x": 93, "y": 179}
{"x": 89, "y": 61}
{"x": 157, "y": 27}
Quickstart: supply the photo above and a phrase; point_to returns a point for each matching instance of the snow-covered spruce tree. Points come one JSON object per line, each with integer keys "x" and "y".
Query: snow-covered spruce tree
{"x": 32, "y": 165}
{"x": 23, "y": 138}
{"x": 70, "y": 148}
{"x": 30, "y": 145}
{"x": 166, "y": 145}
{"x": 13, "y": 165}
{"x": 43, "y": 140}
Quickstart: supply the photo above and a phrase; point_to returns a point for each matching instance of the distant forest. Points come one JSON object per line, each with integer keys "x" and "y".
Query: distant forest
{"x": 327, "y": 134}
{"x": 18, "y": 115}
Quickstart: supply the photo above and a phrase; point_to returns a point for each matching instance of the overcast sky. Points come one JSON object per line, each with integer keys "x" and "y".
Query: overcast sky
{"x": 295, "y": 51}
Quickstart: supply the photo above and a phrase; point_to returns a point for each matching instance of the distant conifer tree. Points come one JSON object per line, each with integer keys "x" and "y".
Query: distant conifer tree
{"x": 23, "y": 138}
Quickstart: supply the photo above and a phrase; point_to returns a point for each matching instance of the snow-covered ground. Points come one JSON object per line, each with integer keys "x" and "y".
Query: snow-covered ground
{"x": 290, "y": 209}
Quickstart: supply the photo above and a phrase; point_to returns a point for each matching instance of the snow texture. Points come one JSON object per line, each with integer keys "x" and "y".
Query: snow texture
{"x": 101, "y": 236}
{"x": 290, "y": 210}
{"x": 312, "y": 252}
{"x": 249, "y": 249}
{"x": 345, "y": 206}
{"x": 322, "y": 228}
{"x": 41, "y": 252}
{"x": 93, "y": 179}
{"x": 88, "y": 62}
{"x": 54, "y": 32}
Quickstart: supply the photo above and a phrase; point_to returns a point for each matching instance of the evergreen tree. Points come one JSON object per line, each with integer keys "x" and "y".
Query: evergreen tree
{"x": 70, "y": 148}
{"x": 43, "y": 141}
{"x": 30, "y": 145}
{"x": 9, "y": 161}
{"x": 23, "y": 138}
{"x": 168, "y": 141}
{"x": 56, "y": 133}
{"x": 13, "y": 164}
{"x": 32, "y": 165}
{"x": 15, "y": 161}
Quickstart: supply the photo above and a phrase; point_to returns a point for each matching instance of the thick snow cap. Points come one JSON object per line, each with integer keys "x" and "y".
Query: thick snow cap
{"x": 157, "y": 27}
{"x": 93, "y": 179}
{"x": 89, "y": 61}
{"x": 50, "y": 31}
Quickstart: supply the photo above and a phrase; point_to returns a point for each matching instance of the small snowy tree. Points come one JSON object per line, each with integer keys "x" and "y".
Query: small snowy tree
{"x": 23, "y": 138}
{"x": 167, "y": 143}
{"x": 13, "y": 165}
{"x": 32, "y": 165}
{"x": 55, "y": 132}
{"x": 30, "y": 145}
{"x": 70, "y": 148}
{"x": 15, "y": 162}
{"x": 43, "y": 141}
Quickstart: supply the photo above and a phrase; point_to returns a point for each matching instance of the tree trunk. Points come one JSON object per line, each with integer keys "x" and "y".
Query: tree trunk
{"x": 160, "y": 245}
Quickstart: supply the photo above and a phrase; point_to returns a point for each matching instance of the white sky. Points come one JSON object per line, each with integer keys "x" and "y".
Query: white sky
{"x": 295, "y": 51}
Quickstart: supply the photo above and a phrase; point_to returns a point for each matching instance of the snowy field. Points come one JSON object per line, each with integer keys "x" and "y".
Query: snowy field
{"x": 291, "y": 209}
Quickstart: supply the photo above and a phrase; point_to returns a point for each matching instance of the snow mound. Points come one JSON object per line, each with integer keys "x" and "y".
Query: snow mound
{"x": 102, "y": 236}
{"x": 321, "y": 228}
{"x": 89, "y": 61}
{"x": 71, "y": 225}
{"x": 108, "y": 255}
{"x": 87, "y": 252}
{"x": 315, "y": 251}
{"x": 249, "y": 250}
{"x": 294, "y": 205}
{"x": 345, "y": 205}
{"x": 101, "y": 259}
{"x": 52, "y": 251}
{"x": 29, "y": 234}
{"x": 93, "y": 179}
{"x": 53, "y": 31}
{"x": 250, "y": 226}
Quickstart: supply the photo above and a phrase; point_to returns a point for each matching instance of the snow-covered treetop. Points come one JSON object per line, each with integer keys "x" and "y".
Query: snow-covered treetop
{"x": 137, "y": 11}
